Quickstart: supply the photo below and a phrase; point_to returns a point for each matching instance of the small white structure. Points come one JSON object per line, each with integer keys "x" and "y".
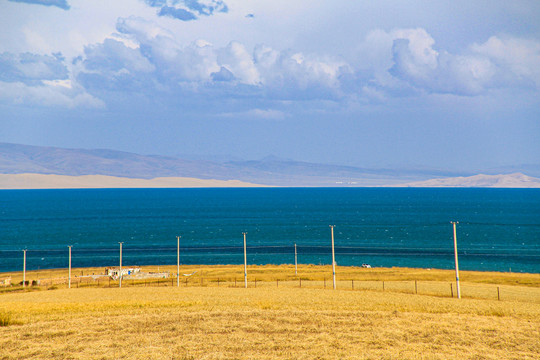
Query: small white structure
{"x": 366, "y": 266}
{"x": 114, "y": 273}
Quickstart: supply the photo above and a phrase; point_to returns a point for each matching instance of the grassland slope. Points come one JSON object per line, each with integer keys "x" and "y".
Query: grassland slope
{"x": 267, "y": 322}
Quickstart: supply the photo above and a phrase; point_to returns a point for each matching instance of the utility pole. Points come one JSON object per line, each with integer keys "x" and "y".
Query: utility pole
{"x": 295, "y": 261}
{"x": 456, "y": 258}
{"x": 245, "y": 261}
{"x": 333, "y": 258}
{"x": 178, "y": 261}
{"x": 120, "y": 273}
{"x": 24, "y": 269}
{"x": 69, "y": 277}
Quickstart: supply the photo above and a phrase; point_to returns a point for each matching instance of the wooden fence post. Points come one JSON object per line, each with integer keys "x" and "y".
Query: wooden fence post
{"x": 498, "y": 294}
{"x": 383, "y": 285}
{"x": 415, "y": 287}
{"x": 451, "y": 291}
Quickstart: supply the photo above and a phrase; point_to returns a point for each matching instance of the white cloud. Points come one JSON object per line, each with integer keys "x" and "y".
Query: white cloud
{"x": 236, "y": 58}
{"x": 411, "y": 58}
{"x": 294, "y": 75}
{"x": 421, "y": 67}
{"x": 48, "y": 95}
{"x": 194, "y": 62}
{"x": 32, "y": 68}
{"x": 145, "y": 56}
{"x": 518, "y": 59}
{"x": 152, "y": 58}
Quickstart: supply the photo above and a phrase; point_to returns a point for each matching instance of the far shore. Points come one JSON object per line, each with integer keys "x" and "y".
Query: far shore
{"x": 29, "y": 181}
{"x": 48, "y": 181}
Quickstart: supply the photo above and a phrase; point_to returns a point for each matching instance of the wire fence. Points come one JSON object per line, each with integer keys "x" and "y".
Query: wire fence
{"x": 416, "y": 287}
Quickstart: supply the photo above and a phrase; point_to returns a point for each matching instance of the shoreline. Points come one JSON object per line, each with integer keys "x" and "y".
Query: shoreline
{"x": 30, "y": 181}
{"x": 35, "y": 181}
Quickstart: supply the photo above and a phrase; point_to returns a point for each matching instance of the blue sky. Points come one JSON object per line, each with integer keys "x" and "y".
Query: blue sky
{"x": 445, "y": 84}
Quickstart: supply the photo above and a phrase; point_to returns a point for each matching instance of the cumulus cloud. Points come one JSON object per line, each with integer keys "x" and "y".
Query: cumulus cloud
{"x": 114, "y": 65}
{"x": 31, "y": 68}
{"x": 407, "y": 61}
{"x": 41, "y": 80}
{"x": 151, "y": 58}
{"x": 240, "y": 62}
{"x": 291, "y": 74}
{"x": 146, "y": 58}
{"x": 62, "y": 4}
{"x": 517, "y": 60}
{"x": 114, "y": 56}
{"x": 422, "y": 67}
{"x": 187, "y": 10}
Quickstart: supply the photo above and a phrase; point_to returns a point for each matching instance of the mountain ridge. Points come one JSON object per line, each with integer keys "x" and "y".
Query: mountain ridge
{"x": 271, "y": 170}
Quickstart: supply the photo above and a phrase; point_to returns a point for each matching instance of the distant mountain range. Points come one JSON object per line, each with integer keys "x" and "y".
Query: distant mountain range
{"x": 25, "y": 159}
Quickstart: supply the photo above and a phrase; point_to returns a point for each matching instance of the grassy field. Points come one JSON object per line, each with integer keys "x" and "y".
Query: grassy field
{"x": 277, "y": 320}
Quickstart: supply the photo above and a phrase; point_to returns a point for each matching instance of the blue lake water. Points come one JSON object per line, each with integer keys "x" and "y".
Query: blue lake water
{"x": 499, "y": 229}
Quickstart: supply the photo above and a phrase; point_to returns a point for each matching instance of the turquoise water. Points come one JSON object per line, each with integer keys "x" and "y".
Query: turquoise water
{"x": 499, "y": 229}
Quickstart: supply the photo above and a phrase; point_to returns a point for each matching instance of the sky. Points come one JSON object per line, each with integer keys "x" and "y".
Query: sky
{"x": 384, "y": 84}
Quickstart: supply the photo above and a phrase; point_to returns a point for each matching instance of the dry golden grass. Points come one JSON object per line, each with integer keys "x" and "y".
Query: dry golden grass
{"x": 271, "y": 322}
{"x": 436, "y": 282}
{"x": 307, "y": 272}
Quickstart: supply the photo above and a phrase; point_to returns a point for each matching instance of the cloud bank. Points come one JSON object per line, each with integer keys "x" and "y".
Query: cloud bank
{"x": 145, "y": 58}
{"x": 159, "y": 62}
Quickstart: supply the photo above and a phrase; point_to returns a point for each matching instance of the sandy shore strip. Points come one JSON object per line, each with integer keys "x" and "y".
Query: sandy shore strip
{"x": 42, "y": 181}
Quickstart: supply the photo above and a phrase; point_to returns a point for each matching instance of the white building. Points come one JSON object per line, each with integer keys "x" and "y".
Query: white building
{"x": 114, "y": 273}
